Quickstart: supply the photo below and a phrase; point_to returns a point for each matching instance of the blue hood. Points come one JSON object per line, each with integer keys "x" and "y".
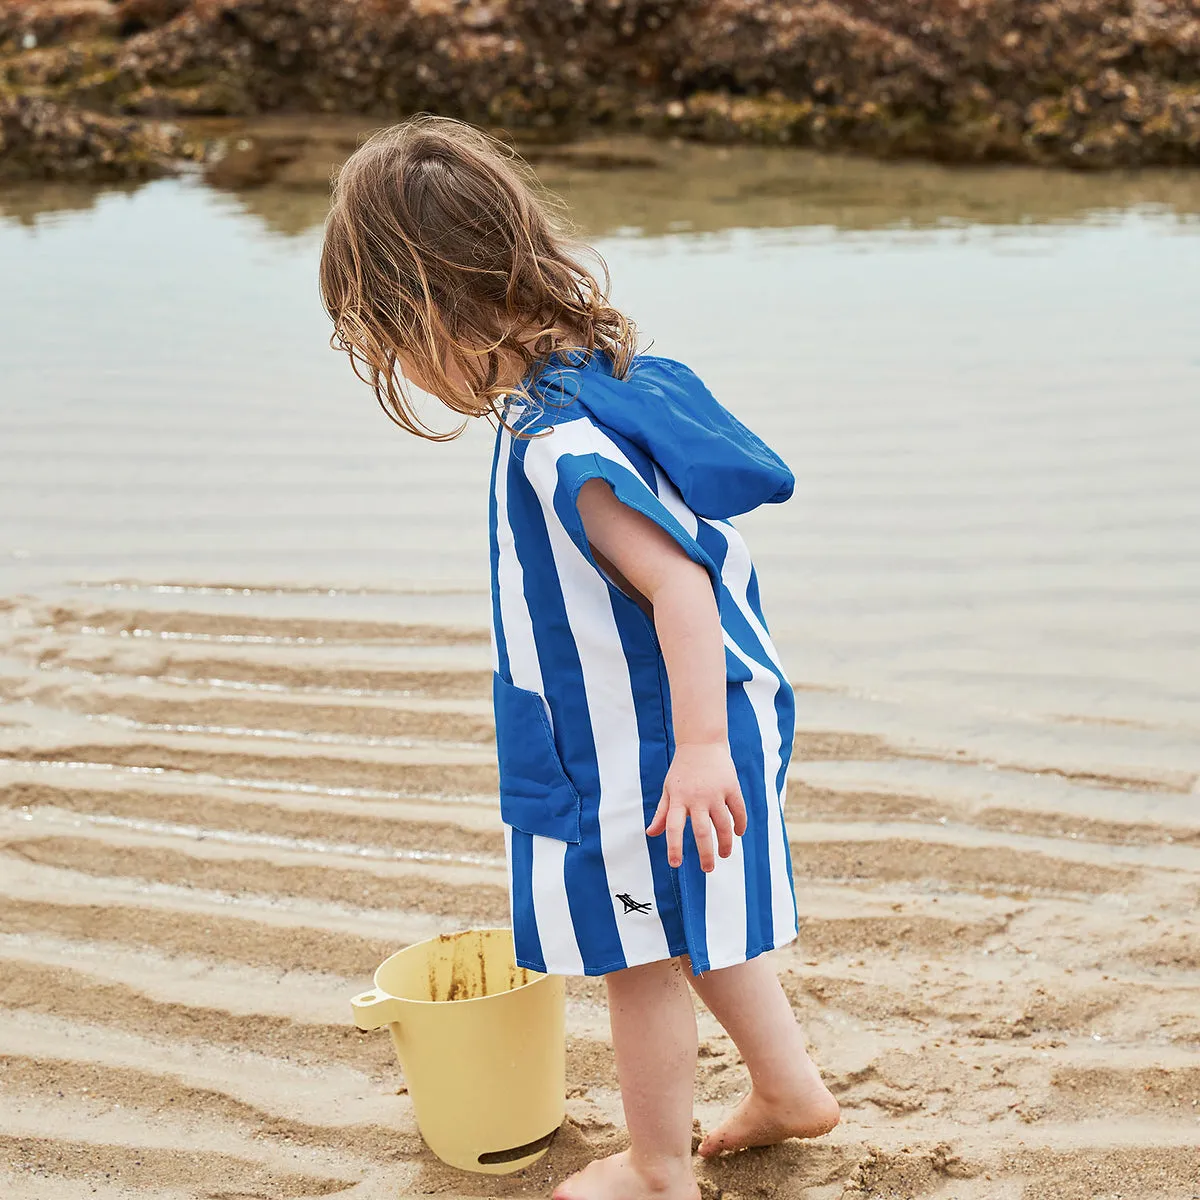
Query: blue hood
{"x": 720, "y": 468}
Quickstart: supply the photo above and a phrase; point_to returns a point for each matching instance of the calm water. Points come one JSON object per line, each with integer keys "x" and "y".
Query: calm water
{"x": 987, "y": 382}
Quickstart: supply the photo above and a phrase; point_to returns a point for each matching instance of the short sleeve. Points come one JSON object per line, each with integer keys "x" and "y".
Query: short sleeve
{"x": 557, "y": 464}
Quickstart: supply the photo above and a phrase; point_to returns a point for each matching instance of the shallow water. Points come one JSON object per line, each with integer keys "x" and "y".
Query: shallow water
{"x": 987, "y": 382}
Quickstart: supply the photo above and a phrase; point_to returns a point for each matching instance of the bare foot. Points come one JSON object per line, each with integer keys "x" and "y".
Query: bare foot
{"x": 760, "y": 1122}
{"x": 617, "y": 1178}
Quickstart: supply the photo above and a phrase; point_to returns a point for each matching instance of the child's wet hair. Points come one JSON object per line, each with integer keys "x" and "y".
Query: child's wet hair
{"x": 441, "y": 249}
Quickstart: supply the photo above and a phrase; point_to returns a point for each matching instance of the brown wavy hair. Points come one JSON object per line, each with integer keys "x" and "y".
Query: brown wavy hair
{"x": 445, "y": 257}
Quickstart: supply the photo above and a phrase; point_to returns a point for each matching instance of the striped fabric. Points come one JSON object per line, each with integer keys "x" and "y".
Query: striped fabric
{"x": 583, "y": 719}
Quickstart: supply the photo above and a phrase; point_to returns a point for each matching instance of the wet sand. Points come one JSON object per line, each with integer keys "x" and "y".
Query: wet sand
{"x": 221, "y": 809}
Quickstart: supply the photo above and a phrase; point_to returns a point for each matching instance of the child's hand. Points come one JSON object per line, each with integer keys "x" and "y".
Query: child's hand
{"x": 702, "y": 784}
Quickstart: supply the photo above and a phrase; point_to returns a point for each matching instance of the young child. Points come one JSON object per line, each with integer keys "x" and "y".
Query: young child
{"x": 643, "y": 719}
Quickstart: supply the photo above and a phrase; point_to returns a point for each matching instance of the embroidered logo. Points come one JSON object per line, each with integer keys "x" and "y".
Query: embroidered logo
{"x": 632, "y": 905}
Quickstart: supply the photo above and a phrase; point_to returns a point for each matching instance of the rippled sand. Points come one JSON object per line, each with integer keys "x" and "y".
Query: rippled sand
{"x": 221, "y": 808}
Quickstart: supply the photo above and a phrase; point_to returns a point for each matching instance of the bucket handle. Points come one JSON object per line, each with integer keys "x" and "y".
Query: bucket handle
{"x": 374, "y": 1009}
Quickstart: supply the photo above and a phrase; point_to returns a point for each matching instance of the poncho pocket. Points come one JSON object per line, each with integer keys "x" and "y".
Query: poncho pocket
{"x": 536, "y": 796}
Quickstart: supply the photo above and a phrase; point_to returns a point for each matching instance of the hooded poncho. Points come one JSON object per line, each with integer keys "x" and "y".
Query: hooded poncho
{"x": 583, "y": 708}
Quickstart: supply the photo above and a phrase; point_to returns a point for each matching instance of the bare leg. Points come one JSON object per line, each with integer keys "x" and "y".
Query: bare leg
{"x": 787, "y": 1098}
{"x": 654, "y": 1035}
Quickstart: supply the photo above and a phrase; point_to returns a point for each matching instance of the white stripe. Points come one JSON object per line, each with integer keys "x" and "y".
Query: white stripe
{"x": 725, "y": 909}
{"x": 556, "y": 931}
{"x": 609, "y": 692}
{"x": 742, "y": 596}
{"x": 761, "y": 690}
{"x": 495, "y": 636}
{"x": 524, "y": 668}
{"x": 512, "y": 914}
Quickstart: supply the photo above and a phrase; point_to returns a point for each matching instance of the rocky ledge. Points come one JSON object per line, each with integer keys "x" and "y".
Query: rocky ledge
{"x": 1083, "y": 83}
{"x": 43, "y": 140}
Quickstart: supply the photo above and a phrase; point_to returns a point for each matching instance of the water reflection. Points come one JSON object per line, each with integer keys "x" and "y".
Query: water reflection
{"x": 29, "y": 204}
{"x": 652, "y": 188}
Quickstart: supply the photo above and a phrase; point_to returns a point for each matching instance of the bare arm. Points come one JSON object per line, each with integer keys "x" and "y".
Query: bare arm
{"x": 701, "y": 784}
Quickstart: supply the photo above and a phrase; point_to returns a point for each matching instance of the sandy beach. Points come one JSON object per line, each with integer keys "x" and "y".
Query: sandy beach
{"x": 222, "y": 808}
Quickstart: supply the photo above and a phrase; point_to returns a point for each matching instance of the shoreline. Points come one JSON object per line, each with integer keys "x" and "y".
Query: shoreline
{"x": 278, "y": 168}
{"x": 92, "y": 89}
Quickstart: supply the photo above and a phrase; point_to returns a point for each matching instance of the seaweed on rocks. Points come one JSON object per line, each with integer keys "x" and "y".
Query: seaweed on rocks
{"x": 43, "y": 140}
{"x": 1086, "y": 83}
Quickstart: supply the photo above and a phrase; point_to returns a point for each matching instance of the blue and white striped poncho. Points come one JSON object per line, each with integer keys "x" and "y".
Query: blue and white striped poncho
{"x": 583, "y": 715}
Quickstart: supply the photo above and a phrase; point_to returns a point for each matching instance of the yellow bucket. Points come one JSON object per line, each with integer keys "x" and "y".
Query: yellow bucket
{"x": 482, "y": 1044}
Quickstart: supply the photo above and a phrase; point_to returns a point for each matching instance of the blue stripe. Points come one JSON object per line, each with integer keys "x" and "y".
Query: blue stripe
{"x": 787, "y": 843}
{"x": 526, "y": 939}
{"x": 588, "y": 896}
{"x": 754, "y": 598}
{"x": 745, "y": 743}
{"x": 693, "y": 890}
{"x": 713, "y": 543}
{"x": 642, "y": 463}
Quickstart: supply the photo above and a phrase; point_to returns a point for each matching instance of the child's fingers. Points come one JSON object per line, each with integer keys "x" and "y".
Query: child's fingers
{"x": 702, "y": 832}
{"x": 723, "y": 824}
{"x": 676, "y": 820}
{"x": 737, "y": 809}
{"x": 659, "y": 823}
